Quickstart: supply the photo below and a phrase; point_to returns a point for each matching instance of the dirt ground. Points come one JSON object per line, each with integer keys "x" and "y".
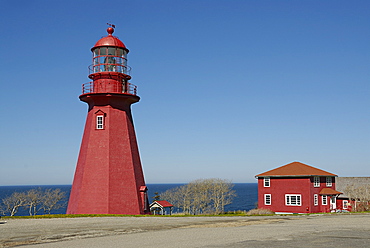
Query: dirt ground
{"x": 339, "y": 230}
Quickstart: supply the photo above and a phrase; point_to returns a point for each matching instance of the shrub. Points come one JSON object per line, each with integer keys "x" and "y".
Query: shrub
{"x": 260, "y": 211}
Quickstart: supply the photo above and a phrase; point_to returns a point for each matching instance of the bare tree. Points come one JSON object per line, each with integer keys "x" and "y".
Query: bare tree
{"x": 2, "y": 210}
{"x": 201, "y": 196}
{"x": 177, "y": 197}
{"x": 51, "y": 199}
{"x": 360, "y": 195}
{"x": 34, "y": 198}
{"x": 13, "y": 202}
{"x": 221, "y": 194}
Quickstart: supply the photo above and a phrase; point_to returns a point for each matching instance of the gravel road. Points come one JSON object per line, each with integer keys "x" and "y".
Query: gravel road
{"x": 339, "y": 230}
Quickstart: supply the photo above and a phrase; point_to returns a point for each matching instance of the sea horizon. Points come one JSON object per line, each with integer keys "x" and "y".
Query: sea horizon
{"x": 246, "y": 194}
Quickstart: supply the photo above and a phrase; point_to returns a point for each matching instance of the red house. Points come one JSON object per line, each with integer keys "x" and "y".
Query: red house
{"x": 297, "y": 188}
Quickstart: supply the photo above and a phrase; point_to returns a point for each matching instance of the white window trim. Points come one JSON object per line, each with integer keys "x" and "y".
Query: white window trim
{"x": 324, "y": 200}
{"x": 315, "y": 199}
{"x": 288, "y": 199}
{"x": 329, "y": 181}
{"x": 266, "y": 182}
{"x": 267, "y": 199}
{"x": 345, "y": 204}
{"x": 99, "y": 122}
{"x": 316, "y": 182}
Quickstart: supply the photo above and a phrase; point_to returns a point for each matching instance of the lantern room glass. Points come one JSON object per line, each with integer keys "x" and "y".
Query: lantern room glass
{"x": 109, "y": 59}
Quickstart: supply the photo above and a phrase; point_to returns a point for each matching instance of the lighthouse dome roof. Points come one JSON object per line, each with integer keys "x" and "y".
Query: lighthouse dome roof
{"x": 110, "y": 40}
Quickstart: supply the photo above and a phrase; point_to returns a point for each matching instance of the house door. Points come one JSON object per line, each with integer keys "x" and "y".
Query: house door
{"x": 333, "y": 203}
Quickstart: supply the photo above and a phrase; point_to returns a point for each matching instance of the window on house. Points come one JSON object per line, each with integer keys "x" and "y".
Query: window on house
{"x": 316, "y": 181}
{"x": 266, "y": 182}
{"x": 293, "y": 200}
{"x": 324, "y": 200}
{"x": 345, "y": 204}
{"x": 267, "y": 199}
{"x": 315, "y": 199}
{"x": 329, "y": 181}
{"x": 99, "y": 122}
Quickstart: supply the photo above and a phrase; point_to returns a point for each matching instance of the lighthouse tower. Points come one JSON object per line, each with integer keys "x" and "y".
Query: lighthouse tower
{"x": 109, "y": 178}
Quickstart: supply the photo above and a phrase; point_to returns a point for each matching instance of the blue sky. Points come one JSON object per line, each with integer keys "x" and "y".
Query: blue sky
{"x": 228, "y": 89}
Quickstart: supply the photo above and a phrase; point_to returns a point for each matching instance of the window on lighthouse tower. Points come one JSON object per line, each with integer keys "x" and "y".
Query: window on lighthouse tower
{"x": 99, "y": 122}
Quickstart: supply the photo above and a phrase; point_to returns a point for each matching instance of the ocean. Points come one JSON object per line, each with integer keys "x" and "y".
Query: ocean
{"x": 245, "y": 200}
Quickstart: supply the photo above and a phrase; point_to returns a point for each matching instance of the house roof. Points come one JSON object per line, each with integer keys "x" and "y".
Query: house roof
{"x": 329, "y": 191}
{"x": 163, "y": 204}
{"x": 295, "y": 169}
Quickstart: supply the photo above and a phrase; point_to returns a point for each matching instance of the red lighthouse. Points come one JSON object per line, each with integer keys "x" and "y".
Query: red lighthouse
{"x": 109, "y": 178}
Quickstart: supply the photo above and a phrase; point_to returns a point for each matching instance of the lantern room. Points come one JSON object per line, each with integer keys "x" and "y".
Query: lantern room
{"x": 109, "y": 70}
{"x": 110, "y": 55}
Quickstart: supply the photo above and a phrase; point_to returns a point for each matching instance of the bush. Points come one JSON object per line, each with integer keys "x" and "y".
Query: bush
{"x": 236, "y": 212}
{"x": 260, "y": 211}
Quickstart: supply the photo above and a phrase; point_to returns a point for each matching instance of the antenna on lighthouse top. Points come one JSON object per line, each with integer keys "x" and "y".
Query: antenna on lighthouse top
{"x": 111, "y": 25}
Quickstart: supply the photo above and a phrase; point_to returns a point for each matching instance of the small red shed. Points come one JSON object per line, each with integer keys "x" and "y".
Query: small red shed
{"x": 297, "y": 188}
{"x": 160, "y": 207}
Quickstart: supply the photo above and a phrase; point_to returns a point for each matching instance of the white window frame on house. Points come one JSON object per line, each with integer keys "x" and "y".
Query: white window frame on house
{"x": 345, "y": 204}
{"x": 266, "y": 182}
{"x": 316, "y": 181}
{"x": 100, "y": 122}
{"x": 329, "y": 181}
{"x": 315, "y": 199}
{"x": 293, "y": 200}
{"x": 324, "y": 200}
{"x": 267, "y": 198}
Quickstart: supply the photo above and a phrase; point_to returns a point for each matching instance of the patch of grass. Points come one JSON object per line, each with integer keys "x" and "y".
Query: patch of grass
{"x": 253, "y": 212}
{"x": 50, "y": 216}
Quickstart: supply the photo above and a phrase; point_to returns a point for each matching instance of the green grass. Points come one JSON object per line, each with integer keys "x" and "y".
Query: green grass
{"x": 50, "y": 216}
{"x": 237, "y": 213}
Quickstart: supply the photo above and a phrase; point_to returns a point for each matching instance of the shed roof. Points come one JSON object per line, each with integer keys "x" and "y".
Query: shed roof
{"x": 329, "y": 191}
{"x": 295, "y": 169}
{"x": 163, "y": 204}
